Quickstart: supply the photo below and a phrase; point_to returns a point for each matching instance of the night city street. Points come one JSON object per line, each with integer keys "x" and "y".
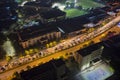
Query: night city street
{"x": 59, "y": 39}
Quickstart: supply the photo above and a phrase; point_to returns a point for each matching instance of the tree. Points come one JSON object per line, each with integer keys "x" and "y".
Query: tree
{"x": 11, "y": 9}
{"x": 91, "y": 42}
{"x": 26, "y": 52}
{"x": 28, "y": 67}
{"x": 16, "y": 76}
{"x": 8, "y": 58}
{"x": 54, "y": 43}
{"x": 36, "y": 50}
{"x": 51, "y": 44}
{"x": 31, "y": 51}
{"x": 47, "y": 45}
{"x": 67, "y": 3}
{"x": 2, "y": 53}
{"x": 85, "y": 45}
{"x": 2, "y": 38}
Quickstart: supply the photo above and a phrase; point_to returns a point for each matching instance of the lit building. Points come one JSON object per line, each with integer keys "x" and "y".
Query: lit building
{"x": 37, "y": 35}
{"x": 86, "y": 57}
{"x": 91, "y": 63}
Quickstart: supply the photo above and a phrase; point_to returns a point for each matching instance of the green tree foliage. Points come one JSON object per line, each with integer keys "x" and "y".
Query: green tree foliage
{"x": 16, "y": 76}
{"x": 2, "y": 40}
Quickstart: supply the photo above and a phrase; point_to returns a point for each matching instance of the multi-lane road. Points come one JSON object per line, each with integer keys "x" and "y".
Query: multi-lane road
{"x": 96, "y": 38}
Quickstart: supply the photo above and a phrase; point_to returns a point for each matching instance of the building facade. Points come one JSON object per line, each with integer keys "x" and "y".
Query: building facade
{"x": 52, "y": 70}
{"x": 87, "y": 56}
{"x": 37, "y": 36}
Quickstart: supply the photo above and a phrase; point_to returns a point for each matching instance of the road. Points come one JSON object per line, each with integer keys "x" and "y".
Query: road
{"x": 6, "y": 75}
{"x": 84, "y": 37}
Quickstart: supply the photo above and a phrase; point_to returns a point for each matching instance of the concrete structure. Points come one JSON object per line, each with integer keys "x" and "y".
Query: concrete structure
{"x": 37, "y": 35}
{"x": 89, "y": 56}
{"x": 52, "y": 15}
{"x": 53, "y": 70}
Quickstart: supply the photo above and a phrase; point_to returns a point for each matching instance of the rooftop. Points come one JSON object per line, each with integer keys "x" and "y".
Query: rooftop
{"x": 38, "y": 3}
{"x": 68, "y": 25}
{"x": 39, "y": 72}
{"x": 35, "y": 31}
{"x": 43, "y": 72}
{"x": 52, "y": 13}
{"x": 58, "y": 62}
{"x": 113, "y": 42}
{"x": 86, "y": 51}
